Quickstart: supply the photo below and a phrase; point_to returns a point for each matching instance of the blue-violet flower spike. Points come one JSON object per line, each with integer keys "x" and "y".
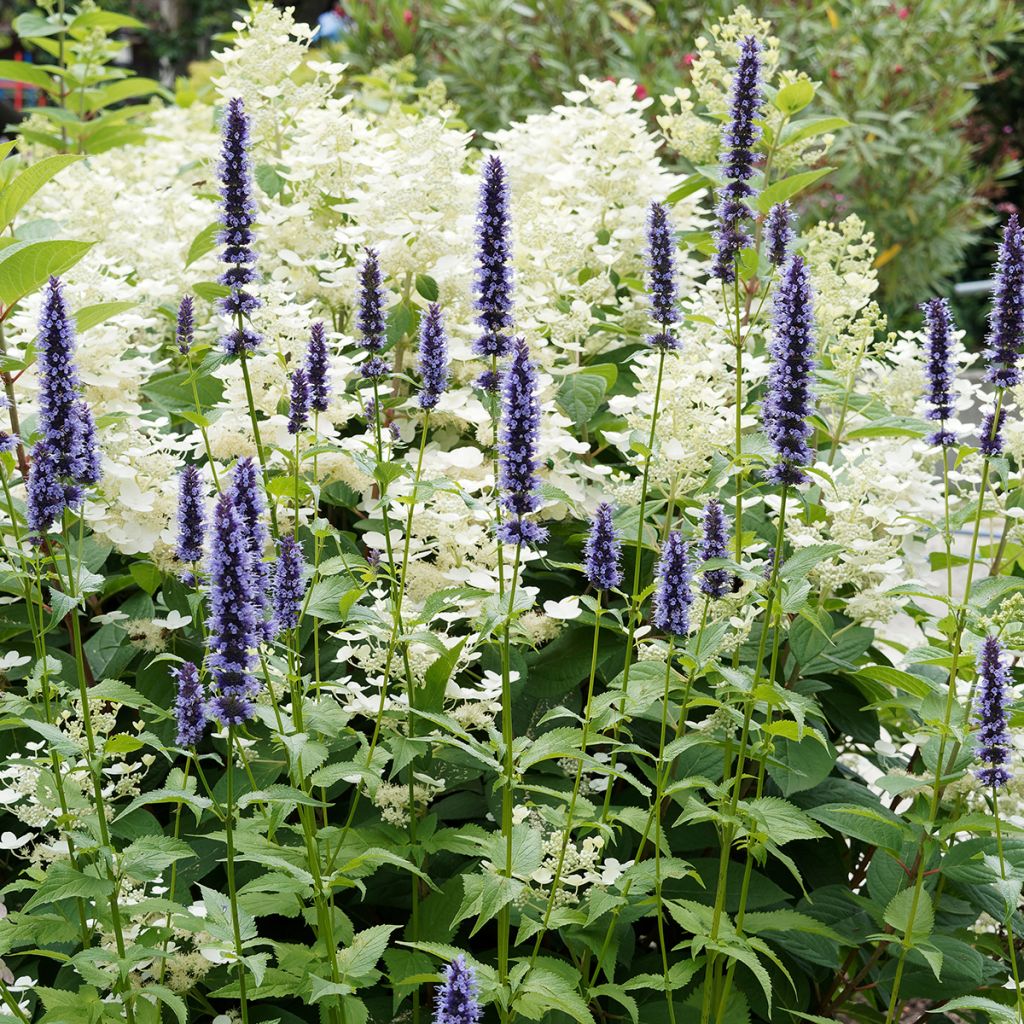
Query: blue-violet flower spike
{"x": 940, "y": 369}
{"x": 1006, "y": 322}
{"x": 994, "y": 744}
{"x": 789, "y": 400}
{"x": 990, "y": 438}
{"x": 248, "y": 498}
{"x": 778, "y": 234}
{"x": 289, "y": 584}
{"x": 189, "y": 705}
{"x": 433, "y": 357}
{"x": 318, "y": 368}
{"x": 185, "y": 330}
{"x": 493, "y": 284}
{"x": 661, "y": 277}
{"x": 714, "y": 543}
{"x": 298, "y": 402}
{"x": 603, "y": 551}
{"x": 371, "y": 319}
{"x": 191, "y": 516}
{"x": 672, "y": 596}
{"x": 456, "y": 999}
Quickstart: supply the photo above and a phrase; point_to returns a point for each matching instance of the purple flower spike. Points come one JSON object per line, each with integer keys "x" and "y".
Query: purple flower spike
{"x": 289, "y": 584}
{"x": 48, "y": 497}
{"x": 673, "y": 596}
{"x": 789, "y": 400}
{"x": 185, "y": 330}
{"x": 994, "y": 745}
{"x": 1006, "y": 323}
{"x": 191, "y": 516}
{"x": 249, "y": 504}
{"x": 64, "y": 419}
{"x": 517, "y": 449}
{"x": 714, "y": 543}
{"x": 433, "y": 358}
{"x": 372, "y": 318}
{"x": 189, "y": 705}
{"x": 494, "y": 262}
{"x": 990, "y": 437}
{"x": 603, "y": 551}
{"x": 235, "y": 620}
{"x": 238, "y": 213}
{"x": 739, "y": 137}
{"x": 778, "y": 234}
{"x": 940, "y": 370}
{"x": 299, "y": 402}
{"x": 661, "y": 277}
{"x": 318, "y": 368}
{"x": 456, "y": 998}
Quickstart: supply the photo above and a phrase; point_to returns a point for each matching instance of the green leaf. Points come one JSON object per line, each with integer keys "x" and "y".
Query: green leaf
{"x": 544, "y": 989}
{"x": 788, "y": 921}
{"x": 147, "y": 857}
{"x": 21, "y": 189}
{"x": 64, "y": 882}
{"x": 782, "y": 821}
{"x": 331, "y": 598}
{"x": 798, "y": 766}
{"x": 363, "y": 952}
{"x": 869, "y": 825}
{"x": 914, "y": 922}
{"x": 809, "y": 127}
{"x": 30, "y": 74}
{"x": 24, "y": 266}
{"x": 581, "y": 395}
{"x": 996, "y": 1012}
{"x": 792, "y": 98}
{"x": 204, "y": 242}
{"x": 125, "y": 89}
{"x": 788, "y": 187}
{"x": 98, "y": 312}
{"x": 426, "y": 287}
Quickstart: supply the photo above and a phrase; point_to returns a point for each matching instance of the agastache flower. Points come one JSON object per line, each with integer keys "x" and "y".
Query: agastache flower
{"x": 298, "y": 402}
{"x": 661, "y": 277}
{"x": 47, "y": 496}
{"x": 8, "y": 442}
{"x": 517, "y": 449}
{"x": 238, "y": 212}
{"x": 185, "y": 329}
{"x": 189, "y": 705}
{"x": 603, "y": 551}
{"x": 493, "y": 284}
{"x": 778, "y": 234}
{"x": 249, "y": 504}
{"x": 940, "y": 369}
{"x": 191, "y": 516}
{"x": 65, "y": 420}
{"x": 714, "y": 543}
{"x": 456, "y": 999}
{"x": 371, "y": 318}
{"x": 991, "y": 714}
{"x": 789, "y": 399}
{"x": 235, "y": 620}
{"x": 672, "y": 596}
{"x": 318, "y": 368}
{"x": 990, "y": 439}
{"x": 739, "y": 136}
{"x": 1006, "y": 323}
{"x": 432, "y": 363}
{"x": 289, "y": 584}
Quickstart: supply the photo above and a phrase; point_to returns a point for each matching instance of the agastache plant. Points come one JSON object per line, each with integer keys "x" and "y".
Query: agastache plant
{"x": 672, "y": 596}
{"x": 289, "y": 584}
{"x": 249, "y": 505}
{"x": 456, "y": 999}
{"x": 185, "y": 328}
{"x": 191, "y": 516}
{"x": 1006, "y": 324}
{"x": 189, "y": 705}
{"x": 714, "y": 543}
{"x": 990, "y": 436}
{"x": 371, "y": 319}
{"x": 235, "y": 619}
{"x": 778, "y": 234}
{"x": 940, "y": 370}
{"x": 662, "y": 292}
{"x": 318, "y": 368}
{"x": 994, "y": 745}
{"x": 517, "y": 449}
{"x": 432, "y": 361}
{"x": 739, "y": 136}
{"x": 238, "y": 213}
{"x": 789, "y": 400}
{"x": 47, "y": 496}
{"x": 298, "y": 402}
{"x": 603, "y": 551}
{"x": 493, "y": 283}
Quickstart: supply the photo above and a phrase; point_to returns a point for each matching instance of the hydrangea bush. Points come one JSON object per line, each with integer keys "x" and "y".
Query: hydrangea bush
{"x": 454, "y": 584}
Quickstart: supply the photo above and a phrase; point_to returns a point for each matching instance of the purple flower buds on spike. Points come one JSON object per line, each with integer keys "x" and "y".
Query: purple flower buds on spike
{"x": 673, "y": 596}
{"x": 991, "y": 714}
{"x": 789, "y": 399}
{"x": 185, "y": 330}
{"x": 249, "y": 504}
{"x": 235, "y": 620}
{"x": 990, "y": 439}
{"x": 661, "y": 277}
{"x": 778, "y": 234}
{"x": 494, "y": 262}
{"x": 739, "y": 136}
{"x": 318, "y": 368}
{"x": 289, "y": 584}
{"x": 456, "y": 999}
{"x": 189, "y": 705}
{"x": 714, "y": 543}
{"x": 191, "y": 516}
{"x": 940, "y": 369}
{"x": 433, "y": 357}
{"x": 517, "y": 449}
{"x": 299, "y": 401}
{"x": 603, "y": 551}
{"x": 371, "y": 318}
{"x": 238, "y": 212}
{"x": 47, "y": 496}
{"x": 64, "y": 419}
{"x": 1006, "y": 323}
{"x": 489, "y": 382}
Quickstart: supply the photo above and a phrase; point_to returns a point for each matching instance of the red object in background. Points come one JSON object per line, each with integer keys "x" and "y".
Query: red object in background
{"x": 19, "y": 88}
{"x": 688, "y": 59}
{"x": 407, "y": 16}
{"x": 903, "y": 13}
{"x": 640, "y": 92}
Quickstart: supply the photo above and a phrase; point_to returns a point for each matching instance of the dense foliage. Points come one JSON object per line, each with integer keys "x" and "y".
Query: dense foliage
{"x": 459, "y": 585}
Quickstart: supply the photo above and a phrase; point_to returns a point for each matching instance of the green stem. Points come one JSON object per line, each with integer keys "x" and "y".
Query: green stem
{"x": 201, "y": 418}
{"x": 1009, "y": 921}
{"x": 236, "y": 927}
{"x": 659, "y": 835}
{"x": 261, "y": 454}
